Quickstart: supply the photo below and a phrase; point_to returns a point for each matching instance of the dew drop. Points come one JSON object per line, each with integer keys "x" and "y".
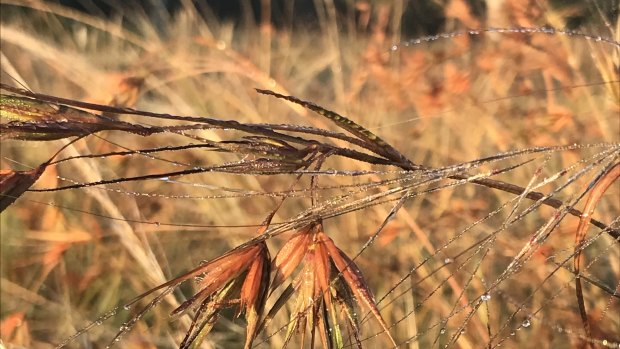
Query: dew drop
{"x": 485, "y": 297}
{"x": 126, "y": 306}
{"x": 442, "y": 331}
{"x": 448, "y": 260}
{"x": 526, "y": 323}
{"x": 394, "y": 47}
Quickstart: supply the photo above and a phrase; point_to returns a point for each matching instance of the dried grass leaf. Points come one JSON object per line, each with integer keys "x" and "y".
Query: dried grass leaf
{"x": 601, "y": 186}
{"x": 14, "y": 183}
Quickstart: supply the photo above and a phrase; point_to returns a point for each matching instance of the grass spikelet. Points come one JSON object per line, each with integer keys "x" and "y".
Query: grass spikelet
{"x": 372, "y": 141}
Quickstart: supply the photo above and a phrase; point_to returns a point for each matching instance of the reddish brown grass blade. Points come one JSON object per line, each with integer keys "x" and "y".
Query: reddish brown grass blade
{"x": 254, "y": 277}
{"x": 595, "y": 195}
{"x": 289, "y": 256}
{"x": 254, "y": 293}
{"x": 322, "y": 294}
{"x": 222, "y": 264}
{"x": 322, "y": 266}
{"x": 355, "y": 280}
{"x": 14, "y": 183}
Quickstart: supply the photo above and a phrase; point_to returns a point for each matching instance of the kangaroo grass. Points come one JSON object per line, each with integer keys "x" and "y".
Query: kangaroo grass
{"x": 372, "y": 142}
{"x": 329, "y": 285}
{"x": 443, "y": 281}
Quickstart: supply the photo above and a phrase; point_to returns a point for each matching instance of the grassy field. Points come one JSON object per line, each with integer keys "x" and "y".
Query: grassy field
{"x": 443, "y": 219}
